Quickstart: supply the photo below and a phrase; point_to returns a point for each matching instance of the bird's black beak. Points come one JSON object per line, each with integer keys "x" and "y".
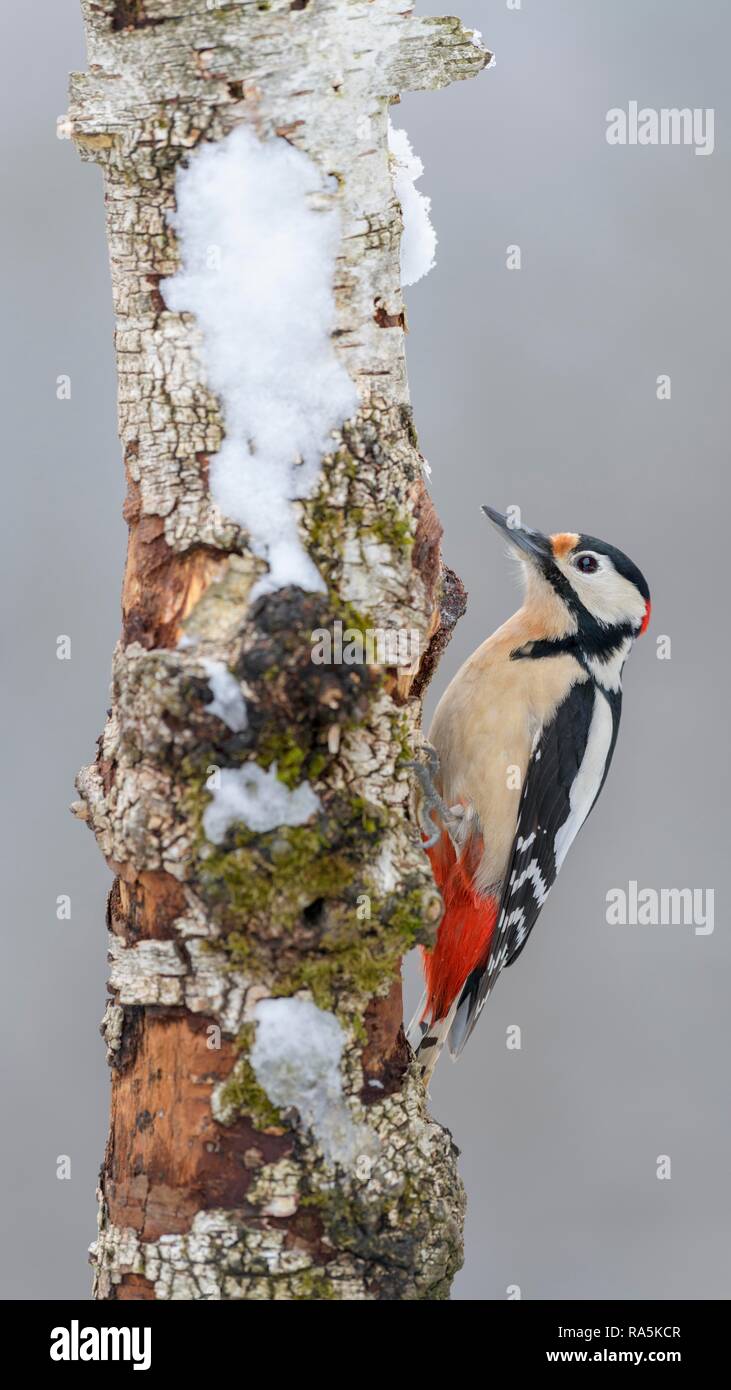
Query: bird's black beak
{"x": 532, "y": 543}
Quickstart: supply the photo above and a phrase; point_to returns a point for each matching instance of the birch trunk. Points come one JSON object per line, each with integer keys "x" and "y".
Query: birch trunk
{"x": 210, "y": 1190}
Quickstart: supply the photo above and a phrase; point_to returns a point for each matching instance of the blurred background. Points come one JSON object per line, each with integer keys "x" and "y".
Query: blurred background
{"x": 533, "y": 387}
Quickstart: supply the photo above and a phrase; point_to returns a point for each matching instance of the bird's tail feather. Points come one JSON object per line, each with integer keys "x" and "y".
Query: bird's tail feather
{"x": 428, "y": 1039}
{"x": 417, "y": 1027}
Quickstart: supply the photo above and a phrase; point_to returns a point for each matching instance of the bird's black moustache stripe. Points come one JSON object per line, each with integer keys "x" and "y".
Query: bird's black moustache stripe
{"x": 593, "y": 638}
{"x": 598, "y": 643}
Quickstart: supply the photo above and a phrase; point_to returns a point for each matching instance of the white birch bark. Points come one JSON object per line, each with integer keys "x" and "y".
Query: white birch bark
{"x": 208, "y": 1191}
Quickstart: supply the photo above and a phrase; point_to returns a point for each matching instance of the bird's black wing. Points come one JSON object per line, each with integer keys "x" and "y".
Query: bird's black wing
{"x": 554, "y": 796}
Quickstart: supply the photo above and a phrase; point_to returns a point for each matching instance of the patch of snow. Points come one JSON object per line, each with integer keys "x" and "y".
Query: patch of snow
{"x": 419, "y": 240}
{"x": 228, "y": 703}
{"x": 256, "y": 798}
{"x": 257, "y": 268}
{"x": 296, "y": 1058}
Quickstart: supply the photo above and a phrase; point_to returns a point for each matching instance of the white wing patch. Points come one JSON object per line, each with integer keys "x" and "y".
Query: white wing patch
{"x": 588, "y": 779}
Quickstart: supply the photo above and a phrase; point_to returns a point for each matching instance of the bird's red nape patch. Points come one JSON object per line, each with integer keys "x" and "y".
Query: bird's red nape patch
{"x": 646, "y": 619}
{"x": 465, "y": 931}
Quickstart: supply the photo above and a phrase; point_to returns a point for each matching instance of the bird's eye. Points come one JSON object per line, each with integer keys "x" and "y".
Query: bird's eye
{"x": 588, "y": 564}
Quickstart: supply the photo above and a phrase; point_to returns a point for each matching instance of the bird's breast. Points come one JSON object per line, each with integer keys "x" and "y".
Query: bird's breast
{"x": 483, "y": 731}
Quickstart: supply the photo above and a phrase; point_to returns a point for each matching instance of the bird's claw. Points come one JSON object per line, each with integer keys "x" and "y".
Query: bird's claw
{"x": 436, "y": 830}
{"x": 432, "y": 803}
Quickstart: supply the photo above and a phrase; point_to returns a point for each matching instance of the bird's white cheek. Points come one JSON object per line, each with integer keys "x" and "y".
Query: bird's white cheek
{"x": 607, "y": 595}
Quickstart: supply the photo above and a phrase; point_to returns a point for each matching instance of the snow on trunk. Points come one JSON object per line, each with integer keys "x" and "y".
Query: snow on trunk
{"x": 419, "y": 240}
{"x": 250, "y": 796}
{"x": 296, "y": 1058}
{"x": 258, "y": 264}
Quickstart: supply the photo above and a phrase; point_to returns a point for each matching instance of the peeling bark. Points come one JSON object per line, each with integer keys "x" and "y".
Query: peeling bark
{"x": 207, "y": 1191}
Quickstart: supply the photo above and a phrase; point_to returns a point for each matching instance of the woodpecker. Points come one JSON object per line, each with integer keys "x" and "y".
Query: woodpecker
{"x": 522, "y": 740}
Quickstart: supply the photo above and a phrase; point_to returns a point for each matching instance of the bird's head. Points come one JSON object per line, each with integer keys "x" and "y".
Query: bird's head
{"x": 601, "y": 591}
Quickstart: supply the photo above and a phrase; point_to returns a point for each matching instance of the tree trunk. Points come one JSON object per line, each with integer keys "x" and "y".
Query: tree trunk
{"x": 268, "y": 1138}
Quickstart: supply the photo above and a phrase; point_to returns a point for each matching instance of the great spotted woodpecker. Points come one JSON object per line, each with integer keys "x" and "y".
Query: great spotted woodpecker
{"x": 522, "y": 739}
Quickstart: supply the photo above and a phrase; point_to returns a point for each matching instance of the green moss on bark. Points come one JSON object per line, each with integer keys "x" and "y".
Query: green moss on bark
{"x": 241, "y": 1094}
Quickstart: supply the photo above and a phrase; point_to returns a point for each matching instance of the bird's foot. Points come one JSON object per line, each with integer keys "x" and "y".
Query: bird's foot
{"x": 431, "y": 803}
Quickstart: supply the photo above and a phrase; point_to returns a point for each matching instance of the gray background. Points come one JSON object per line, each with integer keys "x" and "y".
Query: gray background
{"x": 534, "y": 387}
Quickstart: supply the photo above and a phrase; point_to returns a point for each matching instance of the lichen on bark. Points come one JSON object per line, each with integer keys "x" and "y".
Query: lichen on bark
{"x": 207, "y": 1191}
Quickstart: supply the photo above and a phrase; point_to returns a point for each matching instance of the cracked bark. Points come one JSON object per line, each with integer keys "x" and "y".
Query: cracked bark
{"x": 207, "y": 1191}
